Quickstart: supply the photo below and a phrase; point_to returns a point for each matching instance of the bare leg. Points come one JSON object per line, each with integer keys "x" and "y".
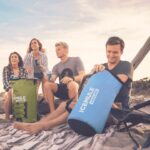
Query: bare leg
{"x": 49, "y": 89}
{"x": 7, "y": 104}
{"x": 55, "y": 118}
{"x": 38, "y": 85}
{"x": 60, "y": 110}
{"x": 73, "y": 90}
{"x": 46, "y": 125}
{"x": 44, "y": 80}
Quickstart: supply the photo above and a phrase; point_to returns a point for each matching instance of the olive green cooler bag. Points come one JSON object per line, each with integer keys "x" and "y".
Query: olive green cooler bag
{"x": 24, "y": 100}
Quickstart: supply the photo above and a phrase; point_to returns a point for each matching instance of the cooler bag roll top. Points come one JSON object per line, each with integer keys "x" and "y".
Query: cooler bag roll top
{"x": 90, "y": 114}
{"x": 24, "y": 100}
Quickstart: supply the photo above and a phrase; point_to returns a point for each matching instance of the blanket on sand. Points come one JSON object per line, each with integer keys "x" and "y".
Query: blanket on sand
{"x": 63, "y": 138}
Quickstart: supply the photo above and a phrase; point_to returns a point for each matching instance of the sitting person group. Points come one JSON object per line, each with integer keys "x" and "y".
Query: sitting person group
{"x": 70, "y": 71}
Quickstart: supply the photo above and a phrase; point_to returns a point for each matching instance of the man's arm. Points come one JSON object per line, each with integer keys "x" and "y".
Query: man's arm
{"x": 79, "y": 77}
{"x": 53, "y": 78}
{"x": 123, "y": 77}
{"x": 81, "y": 72}
{"x": 125, "y": 71}
{"x": 80, "y": 69}
{"x": 125, "y": 74}
{"x": 54, "y": 74}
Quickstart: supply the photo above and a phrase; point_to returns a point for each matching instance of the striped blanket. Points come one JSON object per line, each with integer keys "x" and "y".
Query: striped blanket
{"x": 63, "y": 138}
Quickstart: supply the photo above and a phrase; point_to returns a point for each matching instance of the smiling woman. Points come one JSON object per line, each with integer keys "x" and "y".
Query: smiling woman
{"x": 14, "y": 70}
{"x": 36, "y": 62}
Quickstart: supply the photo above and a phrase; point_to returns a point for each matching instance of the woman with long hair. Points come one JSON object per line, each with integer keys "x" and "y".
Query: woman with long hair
{"x": 14, "y": 70}
{"x": 36, "y": 62}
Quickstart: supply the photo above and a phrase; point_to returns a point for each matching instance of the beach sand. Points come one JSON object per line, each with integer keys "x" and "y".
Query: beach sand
{"x": 62, "y": 137}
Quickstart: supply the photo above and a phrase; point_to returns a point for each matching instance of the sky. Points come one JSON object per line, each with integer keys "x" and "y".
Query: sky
{"x": 84, "y": 24}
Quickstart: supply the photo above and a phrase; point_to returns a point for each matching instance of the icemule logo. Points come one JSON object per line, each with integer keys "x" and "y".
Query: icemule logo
{"x": 89, "y": 99}
{"x": 19, "y": 99}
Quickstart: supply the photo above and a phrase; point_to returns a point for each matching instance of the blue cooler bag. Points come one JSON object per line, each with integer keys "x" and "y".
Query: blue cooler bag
{"x": 90, "y": 114}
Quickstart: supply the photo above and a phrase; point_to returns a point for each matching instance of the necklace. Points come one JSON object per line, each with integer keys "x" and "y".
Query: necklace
{"x": 15, "y": 71}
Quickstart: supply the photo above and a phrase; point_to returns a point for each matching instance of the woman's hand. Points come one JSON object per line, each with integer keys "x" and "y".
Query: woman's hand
{"x": 28, "y": 69}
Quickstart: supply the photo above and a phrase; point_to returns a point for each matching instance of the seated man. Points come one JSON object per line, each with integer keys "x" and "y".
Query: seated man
{"x": 70, "y": 71}
{"x": 122, "y": 69}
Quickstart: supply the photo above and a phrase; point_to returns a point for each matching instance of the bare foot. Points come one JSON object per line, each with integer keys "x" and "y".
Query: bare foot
{"x": 31, "y": 128}
{"x": 20, "y": 125}
{"x": 34, "y": 129}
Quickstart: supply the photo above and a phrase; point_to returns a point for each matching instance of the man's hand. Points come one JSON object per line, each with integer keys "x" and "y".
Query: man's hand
{"x": 53, "y": 78}
{"x": 72, "y": 104}
{"x": 123, "y": 77}
{"x": 98, "y": 68}
{"x": 117, "y": 105}
{"x": 66, "y": 80}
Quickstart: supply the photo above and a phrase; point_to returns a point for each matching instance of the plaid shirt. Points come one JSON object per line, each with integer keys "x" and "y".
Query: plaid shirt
{"x": 8, "y": 74}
